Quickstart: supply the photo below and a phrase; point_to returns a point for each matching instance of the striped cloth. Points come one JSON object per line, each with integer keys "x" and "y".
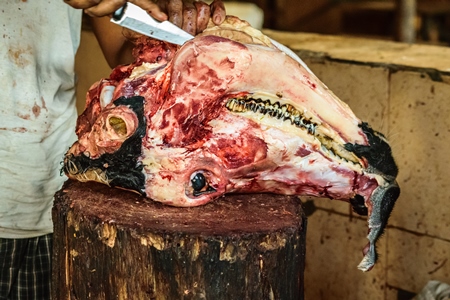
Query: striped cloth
{"x": 25, "y": 268}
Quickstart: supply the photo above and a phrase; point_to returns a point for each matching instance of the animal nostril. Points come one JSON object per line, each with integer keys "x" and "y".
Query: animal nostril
{"x": 198, "y": 182}
{"x": 358, "y": 205}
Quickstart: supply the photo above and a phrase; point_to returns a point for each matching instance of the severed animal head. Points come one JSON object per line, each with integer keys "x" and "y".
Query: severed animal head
{"x": 229, "y": 112}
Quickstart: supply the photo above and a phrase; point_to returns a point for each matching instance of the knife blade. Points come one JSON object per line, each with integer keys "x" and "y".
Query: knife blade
{"x": 137, "y": 19}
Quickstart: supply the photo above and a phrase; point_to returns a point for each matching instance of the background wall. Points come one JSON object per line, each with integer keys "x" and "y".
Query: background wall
{"x": 90, "y": 66}
{"x": 403, "y": 91}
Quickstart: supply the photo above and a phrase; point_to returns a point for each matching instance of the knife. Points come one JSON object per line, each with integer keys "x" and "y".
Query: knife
{"x": 137, "y": 19}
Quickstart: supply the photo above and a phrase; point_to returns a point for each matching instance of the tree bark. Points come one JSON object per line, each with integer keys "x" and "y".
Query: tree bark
{"x": 114, "y": 244}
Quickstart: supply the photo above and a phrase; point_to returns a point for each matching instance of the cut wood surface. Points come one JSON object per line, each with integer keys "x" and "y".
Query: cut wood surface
{"x": 115, "y": 244}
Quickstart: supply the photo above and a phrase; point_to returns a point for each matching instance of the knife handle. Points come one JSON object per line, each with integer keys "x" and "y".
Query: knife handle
{"x": 118, "y": 14}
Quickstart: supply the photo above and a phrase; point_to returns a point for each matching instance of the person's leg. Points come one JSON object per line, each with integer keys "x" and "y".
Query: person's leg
{"x": 11, "y": 257}
{"x": 34, "y": 277}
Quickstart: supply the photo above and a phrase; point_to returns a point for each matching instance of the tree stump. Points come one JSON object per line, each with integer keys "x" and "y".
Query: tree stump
{"x": 114, "y": 244}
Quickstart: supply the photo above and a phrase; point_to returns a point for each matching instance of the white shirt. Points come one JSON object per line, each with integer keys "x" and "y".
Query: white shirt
{"x": 38, "y": 42}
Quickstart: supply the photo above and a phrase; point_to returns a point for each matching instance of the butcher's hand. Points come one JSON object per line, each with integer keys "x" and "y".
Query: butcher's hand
{"x": 192, "y": 16}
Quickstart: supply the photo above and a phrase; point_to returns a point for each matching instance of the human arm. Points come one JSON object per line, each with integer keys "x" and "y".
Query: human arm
{"x": 113, "y": 41}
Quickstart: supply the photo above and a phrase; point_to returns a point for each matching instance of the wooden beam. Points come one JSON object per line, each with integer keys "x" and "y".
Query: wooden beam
{"x": 406, "y": 12}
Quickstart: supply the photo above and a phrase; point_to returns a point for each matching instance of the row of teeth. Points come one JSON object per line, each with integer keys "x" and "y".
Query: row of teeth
{"x": 276, "y": 110}
{"x": 328, "y": 146}
{"x": 94, "y": 174}
{"x": 289, "y": 112}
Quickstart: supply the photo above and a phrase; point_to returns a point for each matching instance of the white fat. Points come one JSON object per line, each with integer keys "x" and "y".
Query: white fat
{"x": 142, "y": 70}
{"x": 314, "y": 168}
{"x": 282, "y": 140}
{"x": 291, "y": 54}
{"x": 106, "y": 95}
{"x": 161, "y": 158}
{"x": 223, "y": 126}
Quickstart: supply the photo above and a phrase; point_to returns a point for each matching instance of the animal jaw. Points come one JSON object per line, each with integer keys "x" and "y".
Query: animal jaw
{"x": 228, "y": 112}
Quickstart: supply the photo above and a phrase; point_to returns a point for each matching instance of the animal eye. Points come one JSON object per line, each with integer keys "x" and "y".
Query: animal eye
{"x": 198, "y": 182}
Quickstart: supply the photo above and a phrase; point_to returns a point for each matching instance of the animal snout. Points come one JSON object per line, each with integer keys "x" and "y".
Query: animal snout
{"x": 378, "y": 153}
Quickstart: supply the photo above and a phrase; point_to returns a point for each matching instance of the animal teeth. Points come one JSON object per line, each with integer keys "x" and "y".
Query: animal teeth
{"x": 276, "y": 110}
{"x": 287, "y": 112}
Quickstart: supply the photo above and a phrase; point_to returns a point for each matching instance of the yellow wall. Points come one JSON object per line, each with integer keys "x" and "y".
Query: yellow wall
{"x": 90, "y": 66}
{"x": 404, "y": 91}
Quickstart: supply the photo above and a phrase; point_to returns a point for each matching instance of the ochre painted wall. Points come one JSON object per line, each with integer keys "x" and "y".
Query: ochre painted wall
{"x": 403, "y": 91}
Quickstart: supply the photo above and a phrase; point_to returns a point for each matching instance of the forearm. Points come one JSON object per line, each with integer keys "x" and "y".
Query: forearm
{"x": 115, "y": 47}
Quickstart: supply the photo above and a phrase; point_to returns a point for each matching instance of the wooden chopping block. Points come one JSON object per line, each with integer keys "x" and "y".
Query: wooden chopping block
{"x": 115, "y": 244}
